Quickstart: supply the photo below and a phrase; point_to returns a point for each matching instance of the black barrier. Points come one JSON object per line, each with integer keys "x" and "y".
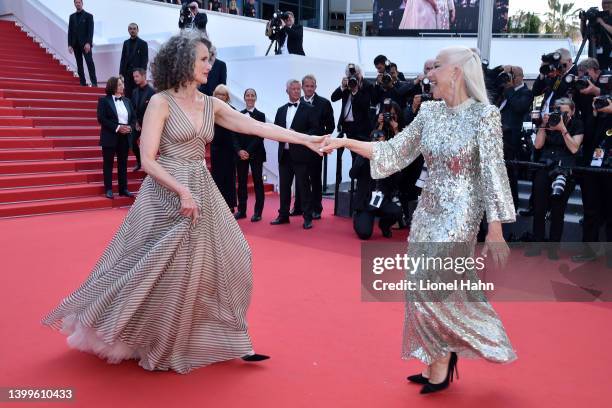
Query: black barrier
{"x": 577, "y": 169}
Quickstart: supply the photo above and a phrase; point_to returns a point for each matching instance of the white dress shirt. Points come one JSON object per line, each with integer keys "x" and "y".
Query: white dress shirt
{"x": 309, "y": 100}
{"x": 289, "y": 118}
{"x": 122, "y": 113}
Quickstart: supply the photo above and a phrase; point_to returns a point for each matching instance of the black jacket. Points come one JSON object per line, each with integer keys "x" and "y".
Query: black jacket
{"x": 304, "y": 121}
{"x": 517, "y": 106}
{"x": 140, "y": 100}
{"x": 200, "y": 22}
{"x": 252, "y": 144}
{"x": 546, "y": 87}
{"x": 108, "y": 120}
{"x": 81, "y": 32}
{"x": 295, "y": 38}
{"x": 360, "y": 107}
{"x": 216, "y": 76}
{"x": 138, "y": 58}
{"x": 325, "y": 114}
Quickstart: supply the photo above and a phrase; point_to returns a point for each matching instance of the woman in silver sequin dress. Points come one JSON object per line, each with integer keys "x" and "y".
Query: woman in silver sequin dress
{"x": 460, "y": 138}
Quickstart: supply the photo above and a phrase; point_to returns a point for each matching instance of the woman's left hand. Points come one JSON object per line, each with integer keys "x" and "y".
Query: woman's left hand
{"x": 497, "y": 247}
{"x": 315, "y": 143}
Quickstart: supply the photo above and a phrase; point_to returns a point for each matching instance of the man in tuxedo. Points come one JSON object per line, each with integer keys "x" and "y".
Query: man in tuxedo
{"x": 290, "y": 37}
{"x": 140, "y": 99}
{"x": 135, "y": 54}
{"x": 80, "y": 41}
{"x": 251, "y": 152}
{"x": 516, "y": 103}
{"x": 295, "y": 160}
{"x": 117, "y": 121}
{"x": 194, "y": 19}
{"x": 217, "y": 74}
{"x": 325, "y": 119}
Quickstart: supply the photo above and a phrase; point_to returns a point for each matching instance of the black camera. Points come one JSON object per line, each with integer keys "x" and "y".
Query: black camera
{"x": 503, "y": 78}
{"x": 556, "y": 116}
{"x": 276, "y": 23}
{"x": 552, "y": 63}
{"x": 387, "y": 79}
{"x": 387, "y": 109}
{"x": 185, "y": 11}
{"x": 353, "y": 81}
{"x": 601, "y": 101}
{"x": 592, "y": 14}
{"x": 578, "y": 82}
{"x": 377, "y": 135}
{"x": 426, "y": 95}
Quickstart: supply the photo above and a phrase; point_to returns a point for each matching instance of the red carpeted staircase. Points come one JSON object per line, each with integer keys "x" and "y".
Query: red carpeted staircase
{"x": 50, "y": 160}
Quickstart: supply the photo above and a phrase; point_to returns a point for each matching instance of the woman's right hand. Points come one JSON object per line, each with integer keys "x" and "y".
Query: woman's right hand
{"x": 189, "y": 208}
{"x": 331, "y": 144}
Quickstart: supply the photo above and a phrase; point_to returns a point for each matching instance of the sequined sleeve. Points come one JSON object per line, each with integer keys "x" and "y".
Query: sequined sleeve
{"x": 493, "y": 174}
{"x": 396, "y": 154}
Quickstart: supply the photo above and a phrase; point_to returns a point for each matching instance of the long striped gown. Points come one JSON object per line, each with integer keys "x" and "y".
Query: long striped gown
{"x": 170, "y": 294}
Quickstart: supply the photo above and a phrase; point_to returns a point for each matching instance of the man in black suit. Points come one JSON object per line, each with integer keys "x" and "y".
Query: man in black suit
{"x": 516, "y": 103}
{"x": 194, "y": 19}
{"x": 295, "y": 160}
{"x": 290, "y": 37}
{"x": 117, "y": 119}
{"x": 251, "y": 152}
{"x": 140, "y": 99}
{"x": 80, "y": 41}
{"x": 217, "y": 74}
{"x": 325, "y": 119}
{"x": 135, "y": 54}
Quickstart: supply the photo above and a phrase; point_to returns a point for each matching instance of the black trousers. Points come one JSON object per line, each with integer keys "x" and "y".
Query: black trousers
{"x": 511, "y": 153}
{"x": 287, "y": 170}
{"x": 128, "y": 82}
{"x": 363, "y": 220}
{"x": 542, "y": 201}
{"x": 108, "y": 154}
{"x": 314, "y": 173}
{"x": 597, "y": 205}
{"x": 242, "y": 169}
{"x": 79, "y": 54}
{"x": 136, "y": 147}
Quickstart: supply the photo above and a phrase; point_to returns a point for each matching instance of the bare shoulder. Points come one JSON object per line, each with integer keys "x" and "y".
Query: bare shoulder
{"x": 159, "y": 104}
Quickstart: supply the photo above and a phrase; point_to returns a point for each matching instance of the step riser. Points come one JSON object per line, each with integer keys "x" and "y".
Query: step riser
{"x": 17, "y": 122}
{"x": 52, "y": 95}
{"x": 59, "y": 179}
{"x": 38, "y": 132}
{"x": 28, "y": 103}
{"x": 46, "y": 143}
{"x": 36, "y": 112}
{"x": 48, "y": 155}
{"x": 25, "y": 167}
{"x": 14, "y": 196}
{"x": 61, "y": 206}
{"x": 71, "y": 86}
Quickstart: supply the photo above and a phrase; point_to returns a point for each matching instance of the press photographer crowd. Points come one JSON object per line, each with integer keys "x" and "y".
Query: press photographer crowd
{"x": 568, "y": 141}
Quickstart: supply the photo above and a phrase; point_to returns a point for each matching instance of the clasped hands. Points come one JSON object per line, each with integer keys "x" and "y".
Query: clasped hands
{"x": 323, "y": 145}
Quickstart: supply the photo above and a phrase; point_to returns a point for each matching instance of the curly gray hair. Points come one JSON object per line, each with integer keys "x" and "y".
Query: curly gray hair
{"x": 174, "y": 63}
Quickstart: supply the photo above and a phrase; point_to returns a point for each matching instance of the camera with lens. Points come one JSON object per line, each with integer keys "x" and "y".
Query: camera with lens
{"x": 578, "y": 82}
{"x": 276, "y": 23}
{"x": 601, "y": 101}
{"x": 560, "y": 176}
{"x": 387, "y": 110}
{"x": 426, "y": 95}
{"x": 551, "y": 63}
{"x": 556, "y": 116}
{"x": 185, "y": 12}
{"x": 387, "y": 79}
{"x": 377, "y": 135}
{"x": 353, "y": 81}
{"x": 503, "y": 79}
{"x": 592, "y": 14}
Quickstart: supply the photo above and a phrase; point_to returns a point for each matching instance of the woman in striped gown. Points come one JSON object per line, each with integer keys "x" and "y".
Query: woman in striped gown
{"x": 173, "y": 287}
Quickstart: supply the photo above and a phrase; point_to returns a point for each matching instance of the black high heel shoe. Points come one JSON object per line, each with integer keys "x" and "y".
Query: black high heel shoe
{"x": 452, "y": 368}
{"x": 418, "y": 379}
{"x": 255, "y": 357}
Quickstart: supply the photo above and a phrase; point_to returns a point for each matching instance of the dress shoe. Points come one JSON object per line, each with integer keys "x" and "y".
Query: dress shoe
{"x": 255, "y": 357}
{"x": 239, "y": 215}
{"x": 307, "y": 224}
{"x": 452, "y": 369}
{"x": 135, "y": 169}
{"x": 125, "y": 193}
{"x": 109, "y": 194}
{"x": 295, "y": 213}
{"x": 316, "y": 215}
{"x": 279, "y": 220}
{"x": 256, "y": 218}
{"x": 526, "y": 213}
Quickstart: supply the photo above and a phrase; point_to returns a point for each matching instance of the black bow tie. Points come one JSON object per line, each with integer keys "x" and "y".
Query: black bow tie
{"x": 119, "y": 98}
{"x": 292, "y": 104}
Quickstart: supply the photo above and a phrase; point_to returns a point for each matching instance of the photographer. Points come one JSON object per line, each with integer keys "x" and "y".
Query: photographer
{"x": 550, "y": 82}
{"x": 419, "y": 93}
{"x": 192, "y": 19}
{"x": 596, "y": 25}
{"x": 374, "y": 198}
{"x": 516, "y": 101}
{"x": 356, "y": 94}
{"x": 559, "y": 139}
{"x": 381, "y": 64}
{"x": 586, "y": 87}
{"x": 388, "y": 85}
{"x": 288, "y": 35}
{"x": 597, "y": 188}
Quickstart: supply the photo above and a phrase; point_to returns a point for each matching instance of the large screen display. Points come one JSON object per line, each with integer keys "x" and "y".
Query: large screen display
{"x": 412, "y": 17}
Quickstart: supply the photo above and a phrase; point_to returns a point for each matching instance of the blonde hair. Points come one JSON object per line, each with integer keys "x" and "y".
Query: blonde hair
{"x": 223, "y": 89}
{"x": 470, "y": 64}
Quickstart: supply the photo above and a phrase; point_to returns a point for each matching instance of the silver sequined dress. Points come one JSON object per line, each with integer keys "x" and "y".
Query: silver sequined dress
{"x": 462, "y": 147}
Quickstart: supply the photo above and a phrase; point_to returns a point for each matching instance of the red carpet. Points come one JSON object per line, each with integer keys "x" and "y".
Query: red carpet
{"x": 328, "y": 348}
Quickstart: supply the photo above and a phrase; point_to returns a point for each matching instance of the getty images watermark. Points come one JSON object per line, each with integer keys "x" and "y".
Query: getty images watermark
{"x": 459, "y": 272}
